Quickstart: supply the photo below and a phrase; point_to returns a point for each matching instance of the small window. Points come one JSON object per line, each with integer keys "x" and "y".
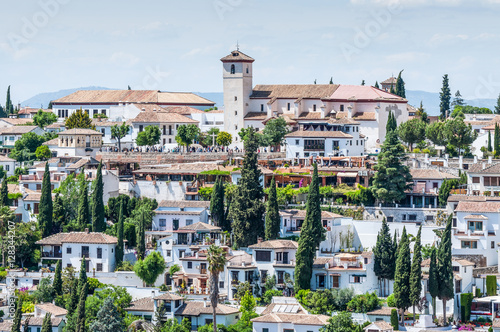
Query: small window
{"x": 492, "y": 244}
{"x": 288, "y": 106}
{"x": 342, "y": 108}
{"x": 235, "y": 112}
{"x": 247, "y": 69}
{"x": 99, "y": 252}
{"x": 235, "y": 127}
{"x": 233, "y": 69}
{"x": 68, "y": 265}
{"x": 262, "y": 107}
{"x": 68, "y": 250}
{"x": 265, "y": 329}
{"x": 189, "y": 222}
{"x": 163, "y": 222}
{"x": 456, "y": 268}
{"x": 297, "y": 142}
{"x": 314, "y": 108}
{"x": 475, "y": 179}
{"x": 169, "y": 253}
{"x": 190, "y": 265}
{"x": 221, "y": 284}
{"x": 99, "y": 267}
{"x": 390, "y": 219}
{"x": 235, "y": 98}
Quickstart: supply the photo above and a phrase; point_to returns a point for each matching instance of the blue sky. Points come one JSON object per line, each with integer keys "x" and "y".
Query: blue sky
{"x": 49, "y": 45}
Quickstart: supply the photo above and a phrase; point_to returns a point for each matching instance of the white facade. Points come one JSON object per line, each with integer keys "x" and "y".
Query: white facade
{"x": 8, "y": 164}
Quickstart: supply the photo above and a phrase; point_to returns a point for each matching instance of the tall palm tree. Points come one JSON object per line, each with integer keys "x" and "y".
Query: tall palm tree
{"x": 216, "y": 262}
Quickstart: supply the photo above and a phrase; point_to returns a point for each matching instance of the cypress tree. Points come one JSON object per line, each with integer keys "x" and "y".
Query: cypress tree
{"x": 4, "y": 192}
{"x": 445, "y": 97}
{"x": 98, "y": 224}
{"x": 395, "y": 246}
{"x": 496, "y": 140}
{"x": 119, "y": 247}
{"x": 489, "y": 141}
{"x": 9, "y": 107}
{"x": 416, "y": 272}
{"x": 273, "y": 220}
{"x": 2, "y": 112}
{"x": 311, "y": 235}
{"x": 82, "y": 280}
{"x": 392, "y": 89}
{"x": 108, "y": 318}
{"x": 400, "y": 86}
{"x": 391, "y": 123}
{"x": 433, "y": 280}
{"x": 384, "y": 256}
{"x": 402, "y": 275}
{"x": 247, "y": 208}
{"x": 83, "y": 217}
{"x": 47, "y": 323}
{"x": 376, "y": 85}
{"x": 80, "y": 312}
{"x": 16, "y": 323}
{"x": 141, "y": 245}
{"x": 217, "y": 203}
{"x": 57, "y": 284}
{"x": 59, "y": 214}
{"x": 444, "y": 268}
{"x": 45, "y": 206}
{"x": 73, "y": 300}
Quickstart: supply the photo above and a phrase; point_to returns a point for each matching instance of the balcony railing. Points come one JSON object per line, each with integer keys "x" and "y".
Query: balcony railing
{"x": 50, "y": 254}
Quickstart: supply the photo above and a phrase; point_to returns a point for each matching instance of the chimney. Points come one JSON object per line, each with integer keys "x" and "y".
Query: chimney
{"x": 475, "y": 159}
{"x": 484, "y": 165}
{"x": 143, "y": 109}
{"x": 349, "y": 112}
{"x": 490, "y": 160}
{"x": 461, "y": 162}
{"x": 86, "y": 230}
{"x": 259, "y": 240}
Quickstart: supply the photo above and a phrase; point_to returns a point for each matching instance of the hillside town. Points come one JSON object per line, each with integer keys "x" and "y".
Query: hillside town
{"x": 285, "y": 208}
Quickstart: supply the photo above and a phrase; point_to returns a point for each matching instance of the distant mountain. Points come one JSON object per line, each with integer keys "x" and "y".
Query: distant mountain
{"x": 430, "y": 100}
{"x": 43, "y": 99}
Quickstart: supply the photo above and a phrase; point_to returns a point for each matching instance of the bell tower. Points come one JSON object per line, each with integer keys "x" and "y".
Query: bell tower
{"x": 237, "y": 79}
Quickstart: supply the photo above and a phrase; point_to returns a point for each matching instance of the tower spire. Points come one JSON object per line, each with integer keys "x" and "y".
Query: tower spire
{"x": 237, "y": 46}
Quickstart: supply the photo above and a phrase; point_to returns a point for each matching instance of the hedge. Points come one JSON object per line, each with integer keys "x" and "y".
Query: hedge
{"x": 491, "y": 285}
{"x": 465, "y": 306}
{"x": 394, "y": 319}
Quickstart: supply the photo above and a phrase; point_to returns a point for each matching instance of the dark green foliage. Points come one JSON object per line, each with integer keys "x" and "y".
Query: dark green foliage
{"x": 47, "y": 323}
{"x": 130, "y": 234}
{"x": 497, "y": 106}
{"x": 119, "y": 132}
{"x": 491, "y": 285}
{"x": 150, "y": 268}
{"x": 43, "y": 119}
{"x": 445, "y": 97}
{"x": 149, "y": 136}
{"x": 108, "y": 319}
{"x": 459, "y": 134}
{"x": 9, "y": 107}
{"x": 114, "y": 207}
{"x": 311, "y": 235}
{"x": 141, "y": 244}
{"x": 412, "y": 131}
{"x": 490, "y": 148}
{"x": 59, "y": 213}
{"x": 4, "y": 192}
{"x": 82, "y": 279}
{"x": 465, "y": 306}
{"x": 73, "y": 299}
{"x": 325, "y": 301}
{"x": 119, "y": 247}
{"x": 79, "y": 119}
{"x": 394, "y": 319}
{"x": 83, "y": 217}
{"x": 458, "y": 100}
{"x": 376, "y": 85}
{"x": 384, "y": 261}
{"x": 45, "y": 206}
{"x": 80, "y": 311}
{"x": 273, "y": 220}
{"x": 393, "y": 177}
{"x": 445, "y": 189}
{"x": 496, "y": 139}
{"x": 433, "y": 279}
{"x": 416, "y": 272}
{"x": 57, "y": 284}
{"x": 444, "y": 267}
{"x": 98, "y": 223}
{"x": 275, "y": 130}
{"x": 364, "y": 303}
{"x": 400, "y": 86}
{"x": 247, "y": 208}
{"x": 391, "y": 123}
{"x": 217, "y": 210}
{"x": 187, "y": 134}
{"x": 469, "y": 110}
{"x": 435, "y": 132}
{"x": 341, "y": 322}
{"x": 402, "y": 274}
{"x": 18, "y": 315}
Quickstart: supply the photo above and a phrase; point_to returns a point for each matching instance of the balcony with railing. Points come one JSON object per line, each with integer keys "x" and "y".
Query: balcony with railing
{"x": 51, "y": 254}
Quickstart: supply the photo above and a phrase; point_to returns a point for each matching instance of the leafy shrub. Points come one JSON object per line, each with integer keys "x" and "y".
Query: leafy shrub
{"x": 394, "y": 319}
{"x": 364, "y": 303}
{"x": 391, "y": 301}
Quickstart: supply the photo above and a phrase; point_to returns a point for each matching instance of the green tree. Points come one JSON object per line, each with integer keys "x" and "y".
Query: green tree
{"x": 187, "y": 134}
{"x": 311, "y": 235}
{"x": 83, "y": 217}
{"x": 43, "y": 152}
{"x": 341, "y": 322}
{"x": 108, "y": 319}
{"x": 400, "y": 86}
{"x": 150, "y": 268}
{"x": 496, "y": 139}
{"x": 394, "y": 319}
{"x": 224, "y": 138}
{"x": 119, "y": 247}
{"x": 217, "y": 210}
{"x": 458, "y": 100}
{"x": 244, "y": 135}
{"x": 82, "y": 279}
{"x": 497, "y": 106}
{"x": 376, "y": 85}
{"x": 149, "y": 136}
{"x": 47, "y": 323}
{"x": 120, "y": 131}
{"x": 392, "y": 178}
{"x": 80, "y": 311}
{"x": 45, "y": 206}
{"x": 25, "y": 147}
{"x": 246, "y": 208}
{"x": 391, "y": 123}
{"x": 460, "y": 134}
{"x": 445, "y": 189}
{"x": 57, "y": 284}
{"x": 59, "y": 213}
{"x": 216, "y": 262}
{"x": 416, "y": 272}
{"x": 412, "y": 131}
{"x": 444, "y": 268}
{"x": 72, "y": 303}
{"x": 4, "y": 192}
{"x": 210, "y": 137}
{"x": 433, "y": 280}
{"x": 9, "y": 107}
{"x": 490, "y": 148}
{"x": 43, "y": 119}
{"x": 384, "y": 257}
{"x": 18, "y": 315}
{"x": 402, "y": 275}
{"x": 273, "y": 220}
{"x": 491, "y": 285}
{"x": 435, "y": 132}
{"x": 98, "y": 223}
{"x": 275, "y": 131}
{"x": 445, "y": 97}
{"x": 141, "y": 245}
{"x": 79, "y": 119}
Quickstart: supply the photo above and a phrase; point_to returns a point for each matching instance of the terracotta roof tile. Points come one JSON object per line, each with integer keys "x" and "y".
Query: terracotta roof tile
{"x": 161, "y": 117}
{"x": 256, "y": 116}
{"x": 275, "y": 244}
{"x": 236, "y": 56}
{"x": 144, "y": 304}
{"x": 363, "y": 93}
{"x": 302, "y": 214}
{"x": 197, "y": 308}
{"x": 294, "y": 91}
{"x": 478, "y": 207}
{"x": 79, "y": 131}
{"x": 17, "y": 121}
{"x": 488, "y": 169}
{"x": 168, "y": 297}
{"x": 319, "y": 134}
{"x": 185, "y": 204}
{"x": 431, "y": 174}
{"x": 297, "y": 319}
{"x": 78, "y": 237}
{"x": 17, "y": 130}
{"x": 52, "y": 308}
